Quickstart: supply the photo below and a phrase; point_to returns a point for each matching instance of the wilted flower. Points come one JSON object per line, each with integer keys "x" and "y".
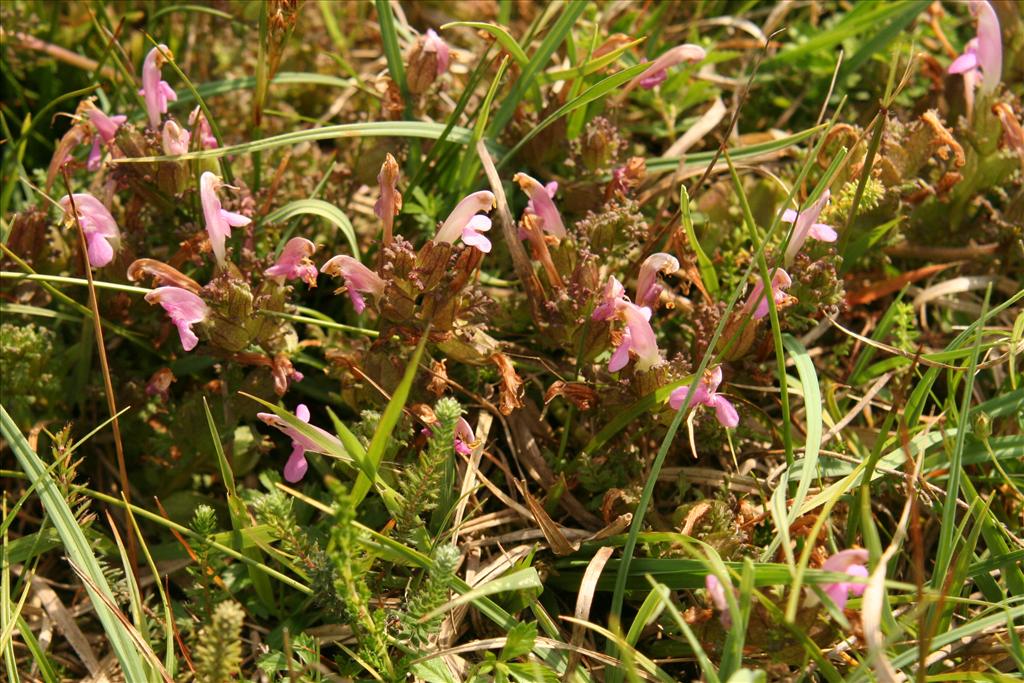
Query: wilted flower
{"x": 296, "y": 466}
{"x": 390, "y": 201}
{"x": 541, "y": 204}
{"x": 433, "y": 43}
{"x": 464, "y": 224}
{"x": 218, "y": 221}
{"x": 294, "y": 262}
{"x": 155, "y": 90}
{"x": 717, "y": 594}
{"x": 185, "y": 310}
{"x": 201, "y": 127}
{"x": 758, "y": 302}
{"x": 162, "y": 274}
{"x": 658, "y": 70}
{"x": 806, "y": 225}
{"x": 853, "y": 562}
{"x": 175, "y": 139}
{"x": 101, "y": 233}
{"x": 464, "y": 437}
{"x": 358, "y": 278}
{"x": 984, "y": 53}
{"x": 159, "y": 383}
{"x": 706, "y": 394}
{"x": 428, "y": 60}
{"x": 648, "y": 289}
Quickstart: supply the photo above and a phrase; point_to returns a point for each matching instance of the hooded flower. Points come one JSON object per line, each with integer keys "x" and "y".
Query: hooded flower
{"x": 464, "y": 224}
{"x": 638, "y": 337}
{"x": 648, "y": 289}
{"x": 101, "y": 233}
{"x": 296, "y": 466}
{"x": 758, "y": 302}
{"x": 853, "y": 562}
{"x": 541, "y": 204}
{"x": 984, "y": 53}
{"x": 218, "y": 221}
{"x": 294, "y": 262}
{"x": 433, "y": 43}
{"x": 154, "y": 89}
{"x": 185, "y": 310}
{"x": 658, "y": 70}
{"x": 464, "y": 437}
{"x": 706, "y": 394}
{"x": 175, "y": 139}
{"x": 201, "y": 127}
{"x": 613, "y": 294}
{"x": 358, "y": 278}
{"x": 106, "y": 129}
{"x": 717, "y": 594}
{"x": 806, "y": 225}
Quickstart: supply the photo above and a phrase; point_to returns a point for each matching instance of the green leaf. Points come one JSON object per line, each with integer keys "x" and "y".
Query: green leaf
{"x": 317, "y": 207}
{"x": 519, "y": 641}
{"x": 500, "y": 34}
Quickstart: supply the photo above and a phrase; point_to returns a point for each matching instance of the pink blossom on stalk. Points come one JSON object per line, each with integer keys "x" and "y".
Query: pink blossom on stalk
{"x": 294, "y": 262}
{"x": 106, "y": 126}
{"x": 434, "y": 43}
{"x": 101, "y": 233}
{"x": 638, "y": 337}
{"x": 706, "y": 394}
{"x": 155, "y": 90}
{"x": 541, "y": 203}
{"x": 757, "y": 299}
{"x": 175, "y": 139}
{"x": 185, "y": 310}
{"x": 551, "y": 188}
{"x": 853, "y": 562}
{"x": 807, "y": 225}
{"x": 613, "y": 294}
{"x": 717, "y": 594}
{"x": 463, "y": 223}
{"x": 657, "y": 72}
{"x": 648, "y": 289}
{"x": 218, "y": 221}
{"x": 201, "y": 127}
{"x": 296, "y": 466}
{"x": 983, "y": 53}
{"x": 358, "y": 278}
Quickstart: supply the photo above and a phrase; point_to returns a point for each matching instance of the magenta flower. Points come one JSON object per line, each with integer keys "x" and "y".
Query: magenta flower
{"x": 758, "y": 302}
{"x": 106, "y": 126}
{"x": 853, "y": 562}
{"x": 717, "y": 594}
{"x": 218, "y": 221}
{"x": 657, "y": 72}
{"x": 541, "y": 204}
{"x": 185, "y": 310}
{"x": 613, "y": 294}
{"x": 154, "y": 89}
{"x": 175, "y": 139}
{"x": 464, "y": 437}
{"x": 707, "y": 395}
{"x": 102, "y": 236}
{"x": 807, "y": 225}
{"x": 637, "y": 337}
{"x": 201, "y": 127}
{"x": 433, "y": 43}
{"x": 648, "y": 289}
{"x": 984, "y": 53}
{"x": 358, "y": 278}
{"x": 294, "y": 262}
{"x": 463, "y": 223}
{"x": 295, "y": 468}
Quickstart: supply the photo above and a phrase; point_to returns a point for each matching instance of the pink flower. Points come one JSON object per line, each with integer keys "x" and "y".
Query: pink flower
{"x": 806, "y": 225}
{"x": 154, "y": 89}
{"x": 101, "y": 233}
{"x": 358, "y": 278}
{"x": 463, "y": 223}
{"x": 185, "y": 310}
{"x": 207, "y": 140}
{"x": 541, "y": 204}
{"x": 613, "y": 293}
{"x": 758, "y": 302}
{"x": 294, "y": 262}
{"x": 648, "y": 289}
{"x": 296, "y": 466}
{"x": 658, "y": 70}
{"x": 106, "y": 126}
{"x": 218, "y": 221}
{"x": 717, "y": 594}
{"x": 175, "y": 139}
{"x": 433, "y": 43}
{"x": 984, "y": 53}
{"x": 638, "y": 337}
{"x": 464, "y": 437}
{"x": 706, "y": 394}
{"x": 95, "y": 155}
{"x": 853, "y": 562}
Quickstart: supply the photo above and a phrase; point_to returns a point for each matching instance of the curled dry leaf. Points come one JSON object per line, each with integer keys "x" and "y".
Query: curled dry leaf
{"x": 580, "y": 394}
{"x": 511, "y": 394}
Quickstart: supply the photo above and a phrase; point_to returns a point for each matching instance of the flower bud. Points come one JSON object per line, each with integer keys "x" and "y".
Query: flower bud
{"x": 428, "y": 60}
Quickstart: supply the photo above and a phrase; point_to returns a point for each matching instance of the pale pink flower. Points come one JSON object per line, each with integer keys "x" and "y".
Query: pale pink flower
{"x": 95, "y": 155}
{"x": 541, "y": 204}
{"x": 175, "y": 139}
{"x": 657, "y": 72}
{"x": 296, "y": 466}
{"x": 637, "y": 338}
{"x": 717, "y": 594}
{"x": 185, "y": 310}
{"x": 102, "y": 236}
{"x": 434, "y": 43}
{"x": 984, "y": 53}
{"x": 706, "y": 394}
{"x": 613, "y": 293}
{"x": 358, "y": 279}
{"x": 106, "y": 126}
{"x": 806, "y": 225}
{"x": 155, "y": 90}
{"x": 853, "y": 562}
{"x": 294, "y": 262}
{"x": 463, "y": 223}
{"x": 551, "y": 188}
{"x": 201, "y": 127}
{"x": 464, "y": 437}
{"x": 218, "y": 221}
{"x": 758, "y": 302}
{"x": 648, "y": 289}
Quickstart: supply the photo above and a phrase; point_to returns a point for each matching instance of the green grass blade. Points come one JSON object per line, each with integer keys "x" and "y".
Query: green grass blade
{"x": 500, "y": 34}
{"x": 318, "y": 207}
